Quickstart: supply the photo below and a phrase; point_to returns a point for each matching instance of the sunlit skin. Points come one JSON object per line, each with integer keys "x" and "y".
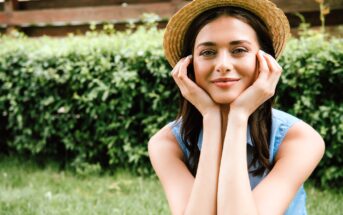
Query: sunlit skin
{"x": 233, "y": 77}
{"x": 224, "y": 58}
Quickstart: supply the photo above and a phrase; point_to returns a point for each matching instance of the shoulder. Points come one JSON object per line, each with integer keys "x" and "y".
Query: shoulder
{"x": 167, "y": 160}
{"x": 163, "y": 145}
{"x": 296, "y": 143}
{"x": 302, "y": 140}
{"x": 300, "y": 152}
{"x": 281, "y": 123}
{"x": 297, "y": 135}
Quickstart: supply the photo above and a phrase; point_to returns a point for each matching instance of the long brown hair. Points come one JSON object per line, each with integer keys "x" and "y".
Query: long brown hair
{"x": 259, "y": 122}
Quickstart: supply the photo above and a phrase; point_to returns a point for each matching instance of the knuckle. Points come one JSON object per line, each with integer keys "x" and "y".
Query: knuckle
{"x": 270, "y": 92}
{"x": 259, "y": 85}
{"x": 192, "y": 92}
{"x": 278, "y": 70}
{"x": 264, "y": 70}
{"x": 266, "y": 91}
{"x": 186, "y": 94}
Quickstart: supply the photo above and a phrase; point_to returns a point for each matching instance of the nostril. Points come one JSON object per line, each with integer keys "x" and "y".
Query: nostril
{"x": 223, "y": 69}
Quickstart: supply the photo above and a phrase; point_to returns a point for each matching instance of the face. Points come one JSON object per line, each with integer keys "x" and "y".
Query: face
{"x": 224, "y": 58}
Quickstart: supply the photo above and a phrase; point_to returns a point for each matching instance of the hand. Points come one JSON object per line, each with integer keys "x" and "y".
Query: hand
{"x": 190, "y": 90}
{"x": 269, "y": 72}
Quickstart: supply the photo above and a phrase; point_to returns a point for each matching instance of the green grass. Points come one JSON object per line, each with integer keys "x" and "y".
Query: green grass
{"x": 323, "y": 202}
{"x": 26, "y": 188}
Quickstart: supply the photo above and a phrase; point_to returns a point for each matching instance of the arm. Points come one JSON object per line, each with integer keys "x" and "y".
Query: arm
{"x": 292, "y": 168}
{"x": 298, "y": 155}
{"x": 234, "y": 192}
{"x": 186, "y": 194}
{"x": 203, "y": 198}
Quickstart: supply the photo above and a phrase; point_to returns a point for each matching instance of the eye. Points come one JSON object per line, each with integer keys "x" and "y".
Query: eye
{"x": 239, "y": 51}
{"x": 207, "y": 53}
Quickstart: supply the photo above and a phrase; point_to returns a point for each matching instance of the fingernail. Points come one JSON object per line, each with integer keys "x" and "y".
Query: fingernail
{"x": 262, "y": 52}
{"x": 190, "y": 56}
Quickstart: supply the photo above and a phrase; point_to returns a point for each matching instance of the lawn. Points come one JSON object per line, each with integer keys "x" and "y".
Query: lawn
{"x": 26, "y": 188}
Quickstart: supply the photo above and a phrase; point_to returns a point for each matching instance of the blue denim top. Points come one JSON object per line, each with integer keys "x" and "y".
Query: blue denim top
{"x": 281, "y": 122}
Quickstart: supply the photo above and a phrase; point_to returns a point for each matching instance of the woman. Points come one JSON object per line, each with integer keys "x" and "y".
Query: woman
{"x": 229, "y": 152}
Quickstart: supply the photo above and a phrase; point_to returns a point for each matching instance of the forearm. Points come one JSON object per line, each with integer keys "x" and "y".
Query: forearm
{"x": 203, "y": 198}
{"x": 234, "y": 192}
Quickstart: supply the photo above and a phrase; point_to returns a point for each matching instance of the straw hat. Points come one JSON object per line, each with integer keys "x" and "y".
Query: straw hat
{"x": 273, "y": 17}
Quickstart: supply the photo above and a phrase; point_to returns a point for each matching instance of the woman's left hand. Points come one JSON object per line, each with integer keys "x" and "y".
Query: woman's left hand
{"x": 269, "y": 72}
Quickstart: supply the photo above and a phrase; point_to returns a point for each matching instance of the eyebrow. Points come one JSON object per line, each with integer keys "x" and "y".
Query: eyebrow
{"x": 235, "y": 42}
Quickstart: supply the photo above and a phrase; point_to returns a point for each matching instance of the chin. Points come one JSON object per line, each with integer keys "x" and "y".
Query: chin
{"x": 223, "y": 100}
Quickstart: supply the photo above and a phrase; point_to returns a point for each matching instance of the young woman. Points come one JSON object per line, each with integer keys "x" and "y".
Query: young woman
{"x": 229, "y": 151}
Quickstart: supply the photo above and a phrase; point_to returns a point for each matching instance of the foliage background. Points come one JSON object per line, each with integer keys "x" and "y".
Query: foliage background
{"x": 92, "y": 102}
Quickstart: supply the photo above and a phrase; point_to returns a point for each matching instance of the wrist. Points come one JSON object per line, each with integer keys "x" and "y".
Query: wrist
{"x": 238, "y": 115}
{"x": 213, "y": 114}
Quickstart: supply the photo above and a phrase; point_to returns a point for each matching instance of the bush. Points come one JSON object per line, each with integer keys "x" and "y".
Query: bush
{"x": 86, "y": 99}
{"x": 310, "y": 89}
{"x": 98, "y": 98}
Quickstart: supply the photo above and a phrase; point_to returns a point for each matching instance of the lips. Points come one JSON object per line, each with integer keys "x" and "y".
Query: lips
{"x": 225, "y": 82}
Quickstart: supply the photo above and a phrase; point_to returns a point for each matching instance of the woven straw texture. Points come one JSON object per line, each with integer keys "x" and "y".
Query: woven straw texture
{"x": 273, "y": 17}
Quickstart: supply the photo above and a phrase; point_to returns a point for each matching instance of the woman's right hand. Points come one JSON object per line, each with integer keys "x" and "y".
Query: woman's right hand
{"x": 190, "y": 90}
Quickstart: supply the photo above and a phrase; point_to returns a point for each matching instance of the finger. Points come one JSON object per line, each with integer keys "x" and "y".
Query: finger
{"x": 262, "y": 65}
{"x": 175, "y": 74}
{"x": 182, "y": 75}
{"x": 176, "y": 67}
{"x": 274, "y": 68}
{"x": 185, "y": 84}
{"x": 183, "y": 67}
{"x": 176, "y": 77}
{"x": 273, "y": 65}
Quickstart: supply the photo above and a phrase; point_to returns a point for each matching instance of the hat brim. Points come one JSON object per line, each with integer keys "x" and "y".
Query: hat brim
{"x": 274, "y": 18}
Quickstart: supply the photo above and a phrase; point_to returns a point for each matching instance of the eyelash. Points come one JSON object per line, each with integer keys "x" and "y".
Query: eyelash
{"x": 241, "y": 50}
{"x": 207, "y": 53}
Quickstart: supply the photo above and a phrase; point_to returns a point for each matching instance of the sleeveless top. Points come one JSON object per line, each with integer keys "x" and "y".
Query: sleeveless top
{"x": 281, "y": 122}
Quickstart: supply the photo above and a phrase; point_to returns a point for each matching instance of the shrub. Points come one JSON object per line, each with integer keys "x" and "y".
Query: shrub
{"x": 86, "y": 99}
{"x": 310, "y": 89}
{"x": 98, "y": 98}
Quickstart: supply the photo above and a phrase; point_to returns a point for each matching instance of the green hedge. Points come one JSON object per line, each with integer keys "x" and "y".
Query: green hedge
{"x": 98, "y": 98}
{"x": 94, "y": 99}
{"x": 311, "y": 88}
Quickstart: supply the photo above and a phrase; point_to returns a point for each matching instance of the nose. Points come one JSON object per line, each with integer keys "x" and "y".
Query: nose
{"x": 223, "y": 64}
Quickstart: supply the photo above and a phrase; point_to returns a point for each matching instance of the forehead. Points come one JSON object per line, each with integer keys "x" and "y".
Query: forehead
{"x": 226, "y": 29}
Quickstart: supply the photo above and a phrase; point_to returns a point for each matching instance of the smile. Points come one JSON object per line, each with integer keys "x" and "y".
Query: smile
{"x": 225, "y": 82}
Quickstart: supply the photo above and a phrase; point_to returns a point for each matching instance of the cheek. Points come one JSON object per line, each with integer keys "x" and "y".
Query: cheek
{"x": 250, "y": 69}
{"x": 199, "y": 78}
{"x": 199, "y": 71}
